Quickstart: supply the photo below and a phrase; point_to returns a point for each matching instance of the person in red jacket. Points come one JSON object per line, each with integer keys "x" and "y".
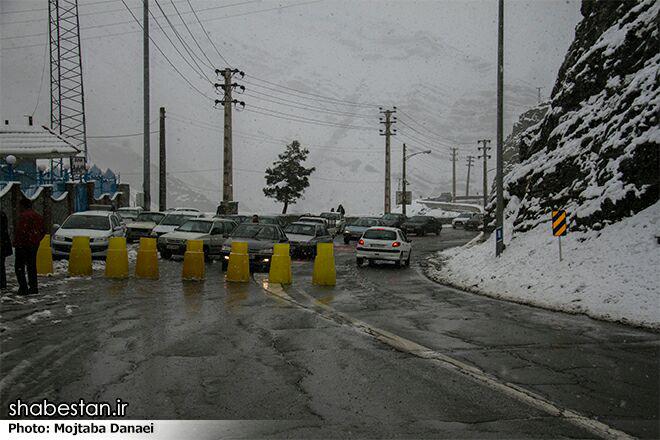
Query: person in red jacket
{"x": 30, "y": 229}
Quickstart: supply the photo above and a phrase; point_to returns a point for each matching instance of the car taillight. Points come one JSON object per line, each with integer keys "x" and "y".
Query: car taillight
{"x": 396, "y": 244}
{"x": 361, "y": 242}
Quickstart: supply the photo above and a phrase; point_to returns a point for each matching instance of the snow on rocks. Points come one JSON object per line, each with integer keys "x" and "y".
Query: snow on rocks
{"x": 37, "y": 316}
{"x": 610, "y": 274}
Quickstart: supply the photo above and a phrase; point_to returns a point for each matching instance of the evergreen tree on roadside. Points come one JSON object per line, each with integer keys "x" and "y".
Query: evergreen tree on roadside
{"x": 288, "y": 178}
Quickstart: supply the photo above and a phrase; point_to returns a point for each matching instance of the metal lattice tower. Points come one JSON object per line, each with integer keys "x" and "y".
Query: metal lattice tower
{"x": 67, "y": 99}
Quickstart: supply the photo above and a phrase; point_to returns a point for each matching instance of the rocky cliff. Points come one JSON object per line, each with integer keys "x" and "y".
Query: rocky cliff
{"x": 595, "y": 152}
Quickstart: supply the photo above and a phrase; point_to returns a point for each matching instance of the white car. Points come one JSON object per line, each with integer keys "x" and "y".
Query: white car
{"x": 459, "y": 222}
{"x": 99, "y": 226}
{"x": 129, "y": 213}
{"x": 335, "y": 221}
{"x": 212, "y": 232}
{"x": 142, "y": 226}
{"x": 184, "y": 209}
{"x": 173, "y": 220}
{"x": 382, "y": 243}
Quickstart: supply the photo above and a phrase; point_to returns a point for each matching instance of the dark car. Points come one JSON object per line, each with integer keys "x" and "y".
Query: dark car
{"x": 421, "y": 225}
{"x": 260, "y": 238}
{"x": 278, "y": 220}
{"x": 393, "y": 220}
{"x": 357, "y": 226}
{"x": 474, "y": 223}
{"x": 303, "y": 237}
{"x": 236, "y": 218}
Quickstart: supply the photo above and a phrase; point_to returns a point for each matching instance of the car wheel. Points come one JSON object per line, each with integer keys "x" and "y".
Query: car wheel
{"x": 207, "y": 255}
{"x": 371, "y": 263}
{"x": 408, "y": 259}
{"x": 347, "y": 240}
{"x": 359, "y": 261}
{"x": 421, "y": 233}
{"x": 165, "y": 255}
{"x": 224, "y": 264}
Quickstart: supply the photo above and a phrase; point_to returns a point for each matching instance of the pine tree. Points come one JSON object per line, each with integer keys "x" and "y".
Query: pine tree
{"x": 288, "y": 178}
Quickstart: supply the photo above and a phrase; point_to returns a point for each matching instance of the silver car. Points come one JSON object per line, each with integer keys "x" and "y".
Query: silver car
{"x": 212, "y": 232}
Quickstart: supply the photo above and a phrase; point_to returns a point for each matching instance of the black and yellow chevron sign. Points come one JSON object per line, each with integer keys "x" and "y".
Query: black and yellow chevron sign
{"x": 558, "y": 223}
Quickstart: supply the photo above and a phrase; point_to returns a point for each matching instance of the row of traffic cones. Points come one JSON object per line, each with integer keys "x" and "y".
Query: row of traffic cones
{"x": 146, "y": 266}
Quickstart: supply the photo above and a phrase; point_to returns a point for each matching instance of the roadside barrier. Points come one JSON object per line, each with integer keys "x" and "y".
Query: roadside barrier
{"x": 146, "y": 265}
{"x": 116, "y": 260}
{"x": 324, "y": 265}
{"x": 45, "y": 257}
{"x": 193, "y": 261}
{"x": 238, "y": 269}
{"x": 280, "y": 265}
{"x": 80, "y": 257}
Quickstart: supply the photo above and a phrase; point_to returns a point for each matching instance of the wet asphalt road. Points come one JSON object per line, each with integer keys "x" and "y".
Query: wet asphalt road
{"x": 209, "y": 350}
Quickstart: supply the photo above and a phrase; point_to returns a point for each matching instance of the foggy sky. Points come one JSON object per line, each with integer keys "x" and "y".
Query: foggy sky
{"x": 433, "y": 59}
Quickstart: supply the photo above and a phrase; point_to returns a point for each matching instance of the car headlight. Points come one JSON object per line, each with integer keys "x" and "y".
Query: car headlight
{"x": 58, "y": 238}
{"x": 226, "y": 247}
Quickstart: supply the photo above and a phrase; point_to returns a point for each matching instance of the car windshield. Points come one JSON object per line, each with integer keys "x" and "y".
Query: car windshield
{"x": 247, "y": 230}
{"x": 392, "y": 216}
{"x": 174, "y": 220}
{"x": 380, "y": 234}
{"x": 365, "y": 222}
{"x": 465, "y": 215}
{"x": 300, "y": 229}
{"x": 195, "y": 226}
{"x": 268, "y": 220}
{"x": 96, "y": 222}
{"x": 150, "y": 217}
{"x": 313, "y": 220}
{"x": 418, "y": 219}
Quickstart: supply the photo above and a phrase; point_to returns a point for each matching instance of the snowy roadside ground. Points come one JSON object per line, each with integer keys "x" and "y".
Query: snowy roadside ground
{"x": 611, "y": 274}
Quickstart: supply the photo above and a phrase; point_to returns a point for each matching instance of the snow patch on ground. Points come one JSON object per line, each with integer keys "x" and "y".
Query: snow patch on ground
{"x": 37, "y": 316}
{"x": 611, "y": 274}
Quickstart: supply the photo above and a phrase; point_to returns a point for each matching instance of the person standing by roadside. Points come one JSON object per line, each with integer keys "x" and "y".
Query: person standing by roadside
{"x": 30, "y": 229}
{"x": 5, "y": 248}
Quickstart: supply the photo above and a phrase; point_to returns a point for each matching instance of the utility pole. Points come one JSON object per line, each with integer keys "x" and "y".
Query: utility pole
{"x": 227, "y": 157}
{"x": 485, "y": 156}
{"x": 162, "y": 166}
{"x": 403, "y": 209}
{"x": 499, "y": 217}
{"x": 146, "y": 159}
{"x": 454, "y": 158}
{"x": 469, "y": 165}
{"x": 388, "y": 121}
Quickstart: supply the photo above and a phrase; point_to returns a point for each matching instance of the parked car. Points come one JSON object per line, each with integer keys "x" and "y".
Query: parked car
{"x": 184, "y": 209}
{"x": 422, "y": 224}
{"x": 303, "y": 237}
{"x": 355, "y": 229}
{"x": 236, "y": 218}
{"x": 312, "y": 219}
{"x": 129, "y": 213}
{"x": 393, "y": 220}
{"x": 461, "y": 219}
{"x": 384, "y": 244}
{"x": 142, "y": 226}
{"x": 273, "y": 220}
{"x": 173, "y": 220}
{"x": 260, "y": 238}
{"x": 335, "y": 221}
{"x": 99, "y": 226}
{"x": 475, "y": 223}
{"x": 212, "y": 232}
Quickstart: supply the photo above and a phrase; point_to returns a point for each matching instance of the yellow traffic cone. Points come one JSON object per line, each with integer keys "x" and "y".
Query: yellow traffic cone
{"x": 80, "y": 258}
{"x": 146, "y": 265}
{"x": 280, "y": 265}
{"x": 116, "y": 260}
{"x": 324, "y": 265}
{"x": 193, "y": 261}
{"x": 238, "y": 269}
{"x": 45, "y": 257}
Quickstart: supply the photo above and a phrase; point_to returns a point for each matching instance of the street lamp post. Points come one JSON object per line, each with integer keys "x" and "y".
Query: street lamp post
{"x": 405, "y": 159}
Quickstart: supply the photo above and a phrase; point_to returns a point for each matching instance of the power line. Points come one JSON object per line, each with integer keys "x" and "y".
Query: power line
{"x": 284, "y": 102}
{"x": 119, "y": 135}
{"x": 207, "y": 34}
{"x": 297, "y": 118}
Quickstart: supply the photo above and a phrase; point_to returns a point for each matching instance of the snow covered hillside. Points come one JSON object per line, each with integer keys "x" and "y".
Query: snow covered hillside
{"x": 610, "y": 274}
{"x": 595, "y": 155}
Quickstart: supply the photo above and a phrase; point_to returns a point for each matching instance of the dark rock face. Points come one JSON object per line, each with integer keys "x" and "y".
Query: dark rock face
{"x": 595, "y": 152}
{"x": 522, "y": 134}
